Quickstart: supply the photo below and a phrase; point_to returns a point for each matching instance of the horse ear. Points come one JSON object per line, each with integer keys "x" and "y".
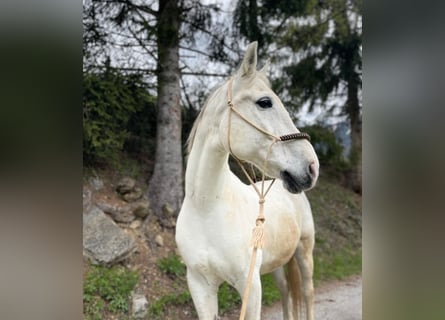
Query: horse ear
{"x": 248, "y": 66}
{"x": 265, "y": 68}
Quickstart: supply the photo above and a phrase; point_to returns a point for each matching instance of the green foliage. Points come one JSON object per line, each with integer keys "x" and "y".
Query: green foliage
{"x": 111, "y": 101}
{"x": 270, "y": 291}
{"x": 326, "y": 37}
{"x": 329, "y": 150}
{"x": 107, "y": 289}
{"x": 94, "y": 307}
{"x": 337, "y": 265}
{"x": 175, "y": 269}
{"x": 228, "y": 298}
{"x": 158, "y": 308}
{"x": 338, "y": 224}
{"x": 172, "y": 266}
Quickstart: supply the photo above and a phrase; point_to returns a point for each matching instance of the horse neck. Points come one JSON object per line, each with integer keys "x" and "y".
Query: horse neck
{"x": 207, "y": 170}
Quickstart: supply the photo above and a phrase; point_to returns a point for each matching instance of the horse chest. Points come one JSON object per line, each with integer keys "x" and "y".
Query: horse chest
{"x": 282, "y": 236}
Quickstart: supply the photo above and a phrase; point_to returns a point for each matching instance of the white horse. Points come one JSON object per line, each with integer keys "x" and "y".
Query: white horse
{"x": 214, "y": 226}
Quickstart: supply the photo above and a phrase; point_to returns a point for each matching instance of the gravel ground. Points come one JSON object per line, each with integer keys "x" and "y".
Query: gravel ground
{"x": 337, "y": 300}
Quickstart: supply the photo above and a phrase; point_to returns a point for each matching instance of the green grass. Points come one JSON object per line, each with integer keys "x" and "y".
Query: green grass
{"x": 157, "y": 309}
{"x": 176, "y": 270}
{"x": 228, "y": 298}
{"x": 269, "y": 290}
{"x": 338, "y": 265}
{"x": 108, "y": 289}
{"x": 172, "y": 266}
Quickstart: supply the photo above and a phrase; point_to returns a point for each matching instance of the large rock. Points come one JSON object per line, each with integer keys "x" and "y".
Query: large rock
{"x": 103, "y": 241}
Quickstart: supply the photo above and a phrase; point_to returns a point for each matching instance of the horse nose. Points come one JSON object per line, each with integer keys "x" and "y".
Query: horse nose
{"x": 313, "y": 170}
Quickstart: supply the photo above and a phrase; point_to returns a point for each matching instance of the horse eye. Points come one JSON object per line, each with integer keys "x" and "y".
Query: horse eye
{"x": 264, "y": 103}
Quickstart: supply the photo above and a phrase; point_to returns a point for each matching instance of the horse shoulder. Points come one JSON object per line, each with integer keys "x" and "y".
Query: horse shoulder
{"x": 304, "y": 211}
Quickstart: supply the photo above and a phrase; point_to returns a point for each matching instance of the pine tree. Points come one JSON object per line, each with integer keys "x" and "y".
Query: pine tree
{"x": 145, "y": 38}
{"x": 319, "y": 44}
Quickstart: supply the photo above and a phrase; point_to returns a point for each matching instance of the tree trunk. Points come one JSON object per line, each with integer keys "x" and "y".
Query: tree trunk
{"x": 355, "y": 156}
{"x": 166, "y": 184}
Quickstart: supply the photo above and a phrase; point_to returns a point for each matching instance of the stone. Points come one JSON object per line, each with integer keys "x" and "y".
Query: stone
{"x": 134, "y": 195}
{"x": 97, "y": 183}
{"x": 167, "y": 211}
{"x": 159, "y": 240}
{"x": 135, "y": 224}
{"x": 141, "y": 208}
{"x": 125, "y": 185}
{"x": 103, "y": 241}
{"x": 87, "y": 198}
{"x": 139, "y": 308}
{"x": 119, "y": 213}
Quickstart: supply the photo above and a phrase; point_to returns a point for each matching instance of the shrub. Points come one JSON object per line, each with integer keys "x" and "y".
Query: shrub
{"x": 328, "y": 149}
{"x": 107, "y": 287}
{"x": 172, "y": 266}
{"x": 110, "y": 99}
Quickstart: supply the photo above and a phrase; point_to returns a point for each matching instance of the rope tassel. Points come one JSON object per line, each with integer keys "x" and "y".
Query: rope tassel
{"x": 258, "y": 236}
{"x": 258, "y": 232}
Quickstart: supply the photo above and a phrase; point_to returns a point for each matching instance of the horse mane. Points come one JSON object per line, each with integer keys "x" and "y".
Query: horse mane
{"x": 191, "y": 137}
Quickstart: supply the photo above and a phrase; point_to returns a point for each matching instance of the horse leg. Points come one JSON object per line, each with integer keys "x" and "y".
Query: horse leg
{"x": 306, "y": 264}
{"x": 286, "y": 300}
{"x": 253, "y": 311}
{"x": 204, "y": 294}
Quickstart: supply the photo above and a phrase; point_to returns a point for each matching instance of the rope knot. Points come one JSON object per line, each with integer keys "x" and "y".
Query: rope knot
{"x": 261, "y": 201}
{"x": 260, "y": 220}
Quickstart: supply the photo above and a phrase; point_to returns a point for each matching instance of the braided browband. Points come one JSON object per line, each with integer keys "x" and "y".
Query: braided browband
{"x": 298, "y": 135}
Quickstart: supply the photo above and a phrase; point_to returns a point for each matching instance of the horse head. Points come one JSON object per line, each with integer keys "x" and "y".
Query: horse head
{"x": 253, "y": 123}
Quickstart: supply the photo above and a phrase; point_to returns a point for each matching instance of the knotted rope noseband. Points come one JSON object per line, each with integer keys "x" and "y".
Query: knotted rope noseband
{"x": 258, "y": 232}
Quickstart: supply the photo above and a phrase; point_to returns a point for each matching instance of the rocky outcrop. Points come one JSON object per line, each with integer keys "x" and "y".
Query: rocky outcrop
{"x": 104, "y": 242}
{"x": 111, "y": 216}
{"x": 129, "y": 203}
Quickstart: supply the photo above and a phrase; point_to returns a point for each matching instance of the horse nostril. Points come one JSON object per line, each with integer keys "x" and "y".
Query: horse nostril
{"x": 313, "y": 170}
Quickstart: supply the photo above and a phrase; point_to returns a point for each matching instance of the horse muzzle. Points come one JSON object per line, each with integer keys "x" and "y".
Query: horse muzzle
{"x": 297, "y": 183}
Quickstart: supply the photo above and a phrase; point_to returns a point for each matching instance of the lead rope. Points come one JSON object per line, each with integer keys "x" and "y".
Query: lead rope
{"x": 257, "y": 240}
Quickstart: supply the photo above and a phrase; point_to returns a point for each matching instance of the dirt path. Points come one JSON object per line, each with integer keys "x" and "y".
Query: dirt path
{"x": 337, "y": 300}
